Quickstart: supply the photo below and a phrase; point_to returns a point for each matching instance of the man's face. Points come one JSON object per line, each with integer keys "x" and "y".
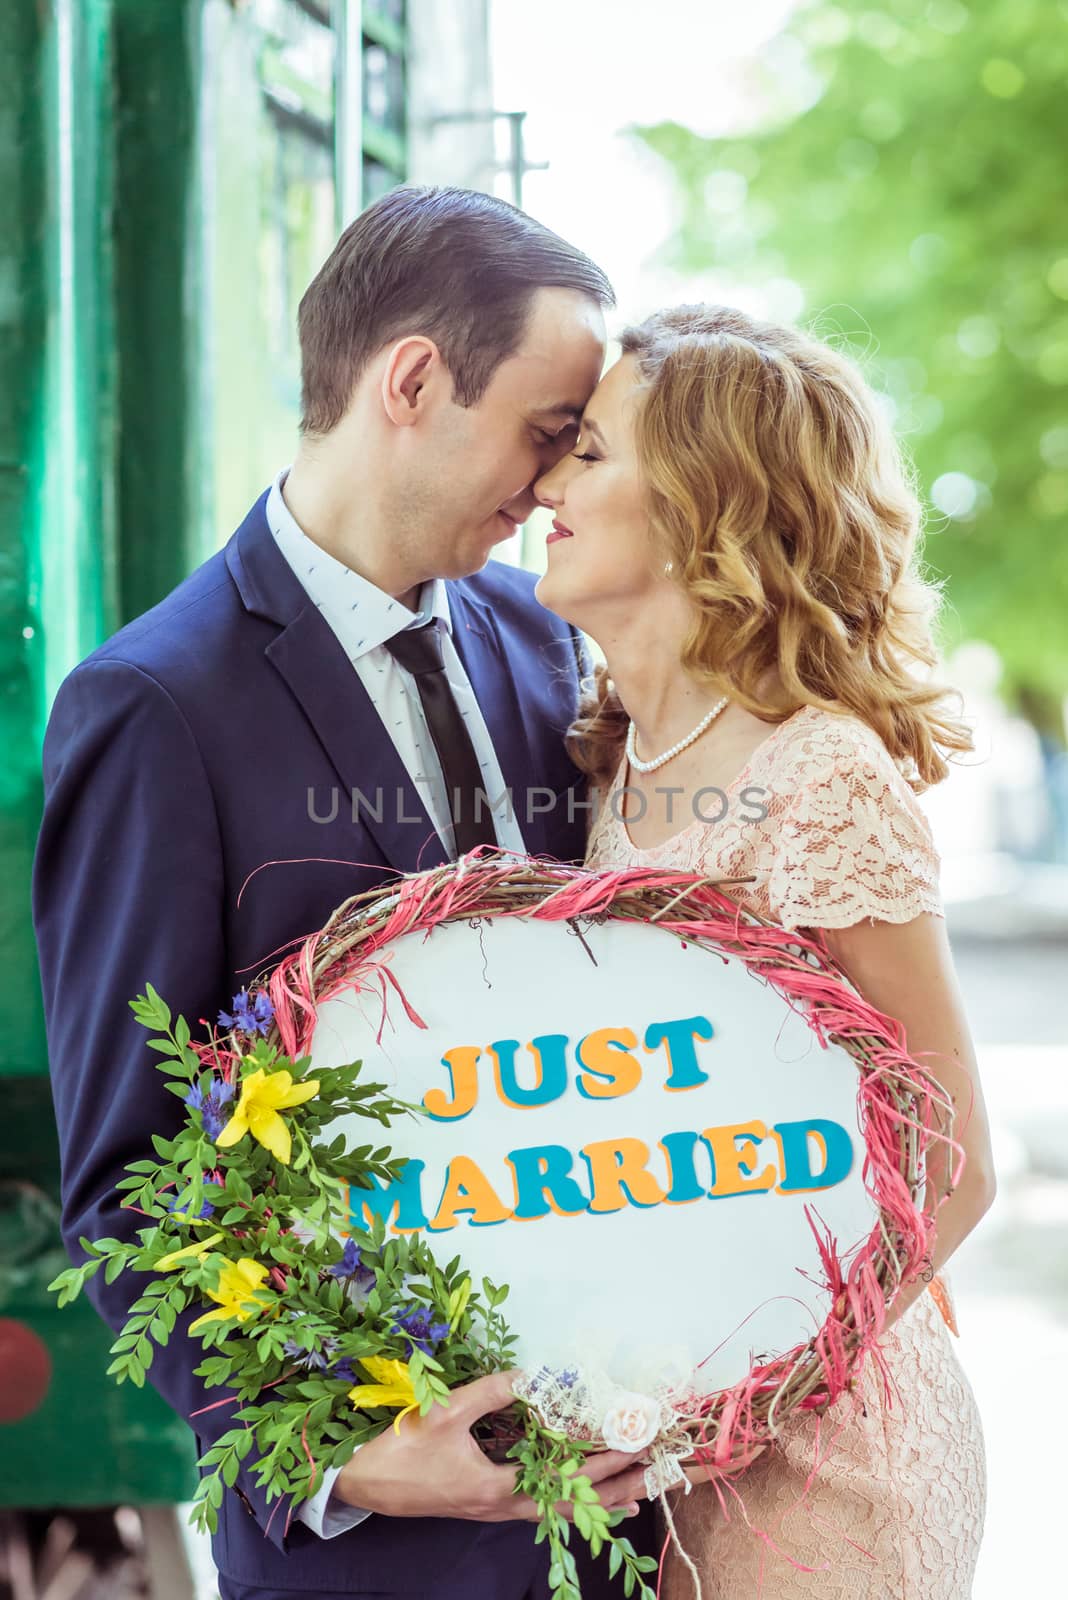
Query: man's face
{"x": 481, "y": 461}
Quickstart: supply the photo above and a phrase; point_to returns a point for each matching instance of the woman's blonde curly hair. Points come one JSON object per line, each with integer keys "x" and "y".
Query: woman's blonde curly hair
{"x": 777, "y": 488}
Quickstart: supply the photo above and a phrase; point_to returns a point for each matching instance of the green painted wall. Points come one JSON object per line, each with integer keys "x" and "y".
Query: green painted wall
{"x": 163, "y": 206}
{"x": 270, "y": 215}
{"x": 60, "y": 594}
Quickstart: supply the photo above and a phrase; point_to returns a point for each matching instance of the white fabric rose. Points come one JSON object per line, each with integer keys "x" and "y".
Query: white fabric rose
{"x": 631, "y": 1422}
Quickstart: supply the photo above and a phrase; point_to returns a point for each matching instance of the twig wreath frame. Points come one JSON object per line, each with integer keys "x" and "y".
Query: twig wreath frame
{"x": 903, "y": 1108}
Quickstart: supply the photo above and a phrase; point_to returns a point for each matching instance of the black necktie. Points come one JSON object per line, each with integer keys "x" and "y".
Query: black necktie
{"x": 419, "y": 651}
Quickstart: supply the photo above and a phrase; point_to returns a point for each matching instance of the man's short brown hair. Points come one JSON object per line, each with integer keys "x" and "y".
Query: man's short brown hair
{"x": 455, "y": 265}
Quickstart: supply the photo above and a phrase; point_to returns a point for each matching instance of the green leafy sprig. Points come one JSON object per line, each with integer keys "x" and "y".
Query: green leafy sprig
{"x": 289, "y": 1330}
{"x": 550, "y": 1472}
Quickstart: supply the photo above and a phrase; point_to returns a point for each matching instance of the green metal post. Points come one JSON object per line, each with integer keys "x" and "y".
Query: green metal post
{"x": 23, "y": 315}
{"x": 156, "y": 225}
{"x": 57, "y": 593}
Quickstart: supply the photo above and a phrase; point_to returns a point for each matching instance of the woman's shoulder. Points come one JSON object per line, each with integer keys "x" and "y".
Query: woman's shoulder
{"x": 851, "y": 839}
{"x": 816, "y": 744}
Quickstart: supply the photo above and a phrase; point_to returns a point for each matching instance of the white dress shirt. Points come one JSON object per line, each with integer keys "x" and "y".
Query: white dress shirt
{"x": 362, "y": 618}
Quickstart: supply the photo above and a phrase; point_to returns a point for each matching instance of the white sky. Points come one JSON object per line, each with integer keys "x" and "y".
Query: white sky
{"x": 584, "y": 73}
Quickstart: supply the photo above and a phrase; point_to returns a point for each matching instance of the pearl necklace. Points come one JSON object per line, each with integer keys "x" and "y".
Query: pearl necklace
{"x": 676, "y": 749}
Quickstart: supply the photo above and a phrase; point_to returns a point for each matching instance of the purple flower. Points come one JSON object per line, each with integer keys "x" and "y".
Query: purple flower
{"x": 249, "y": 1016}
{"x": 310, "y": 1360}
{"x": 344, "y": 1370}
{"x": 418, "y": 1330}
{"x": 351, "y": 1266}
{"x": 181, "y": 1203}
{"x": 213, "y": 1116}
{"x": 350, "y": 1260}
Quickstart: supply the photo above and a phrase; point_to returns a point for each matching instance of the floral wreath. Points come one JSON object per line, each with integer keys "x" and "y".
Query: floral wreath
{"x": 328, "y": 1341}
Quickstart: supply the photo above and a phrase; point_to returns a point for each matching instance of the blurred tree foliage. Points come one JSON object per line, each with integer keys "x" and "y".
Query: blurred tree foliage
{"x": 909, "y": 176}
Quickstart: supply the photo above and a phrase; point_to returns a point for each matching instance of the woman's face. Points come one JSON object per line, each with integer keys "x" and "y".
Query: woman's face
{"x": 603, "y": 557}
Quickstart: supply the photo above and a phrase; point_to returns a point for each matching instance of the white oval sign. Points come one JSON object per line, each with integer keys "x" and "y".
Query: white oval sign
{"x": 624, "y": 1129}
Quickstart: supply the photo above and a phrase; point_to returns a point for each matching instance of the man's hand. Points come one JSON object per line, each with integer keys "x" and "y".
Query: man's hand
{"x": 432, "y": 1467}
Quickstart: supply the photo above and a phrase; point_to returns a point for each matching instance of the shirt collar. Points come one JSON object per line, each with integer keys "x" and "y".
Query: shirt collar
{"x": 362, "y": 615}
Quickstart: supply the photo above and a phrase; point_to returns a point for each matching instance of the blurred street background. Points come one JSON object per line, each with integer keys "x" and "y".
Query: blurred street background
{"x": 889, "y": 173}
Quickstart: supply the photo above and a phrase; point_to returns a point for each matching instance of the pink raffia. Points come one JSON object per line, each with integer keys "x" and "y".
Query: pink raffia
{"x": 903, "y": 1111}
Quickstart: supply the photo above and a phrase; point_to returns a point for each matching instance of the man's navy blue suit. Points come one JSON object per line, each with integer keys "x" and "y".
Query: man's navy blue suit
{"x": 200, "y": 743}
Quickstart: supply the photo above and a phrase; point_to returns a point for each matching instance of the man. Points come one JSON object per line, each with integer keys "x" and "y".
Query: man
{"x": 312, "y": 711}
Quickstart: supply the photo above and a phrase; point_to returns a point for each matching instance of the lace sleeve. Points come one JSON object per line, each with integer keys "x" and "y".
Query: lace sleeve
{"x": 854, "y": 843}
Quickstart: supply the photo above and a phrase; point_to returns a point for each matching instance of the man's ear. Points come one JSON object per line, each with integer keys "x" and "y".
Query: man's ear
{"x": 408, "y": 379}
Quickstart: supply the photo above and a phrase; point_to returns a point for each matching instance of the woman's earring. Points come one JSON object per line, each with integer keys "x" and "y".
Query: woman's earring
{"x": 669, "y": 567}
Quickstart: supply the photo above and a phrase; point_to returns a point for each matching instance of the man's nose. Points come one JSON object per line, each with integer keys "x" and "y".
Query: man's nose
{"x": 549, "y": 488}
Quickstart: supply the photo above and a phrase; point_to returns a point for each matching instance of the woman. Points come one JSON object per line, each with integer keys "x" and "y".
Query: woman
{"x": 736, "y": 531}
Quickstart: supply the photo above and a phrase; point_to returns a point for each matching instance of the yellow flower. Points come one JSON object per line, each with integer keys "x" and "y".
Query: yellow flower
{"x": 235, "y": 1293}
{"x": 176, "y": 1257}
{"x": 263, "y": 1095}
{"x": 394, "y": 1387}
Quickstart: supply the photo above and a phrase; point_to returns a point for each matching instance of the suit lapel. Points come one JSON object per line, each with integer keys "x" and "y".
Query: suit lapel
{"x": 307, "y": 655}
{"x": 374, "y": 778}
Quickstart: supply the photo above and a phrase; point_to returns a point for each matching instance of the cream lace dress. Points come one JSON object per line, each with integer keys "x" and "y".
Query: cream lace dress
{"x": 896, "y": 1509}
